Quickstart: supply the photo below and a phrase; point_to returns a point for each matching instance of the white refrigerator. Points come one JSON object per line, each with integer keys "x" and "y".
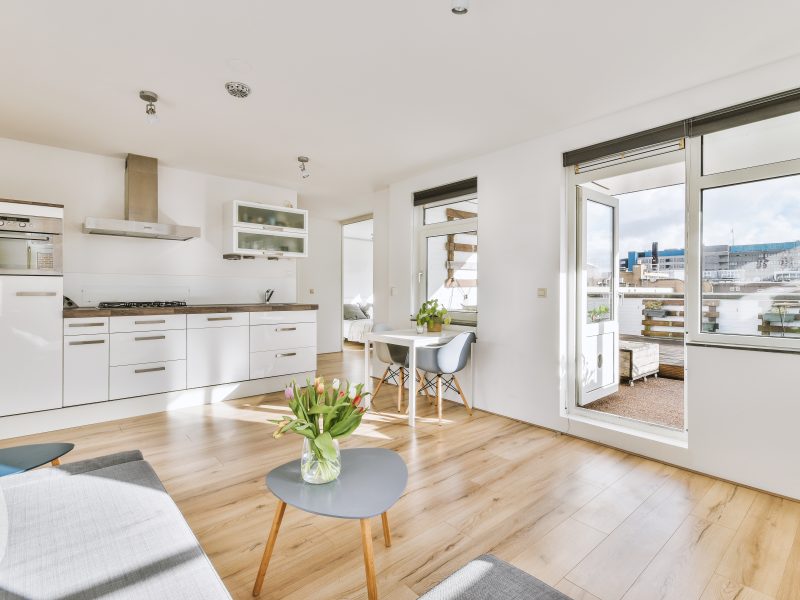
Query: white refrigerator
{"x": 31, "y": 348}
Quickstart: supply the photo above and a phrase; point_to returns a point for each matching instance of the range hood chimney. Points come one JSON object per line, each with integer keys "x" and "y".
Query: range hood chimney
{"x": 141, "y": 207}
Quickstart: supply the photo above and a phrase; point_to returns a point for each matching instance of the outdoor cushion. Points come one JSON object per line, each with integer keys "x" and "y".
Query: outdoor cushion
{"x": 100, "y": 528}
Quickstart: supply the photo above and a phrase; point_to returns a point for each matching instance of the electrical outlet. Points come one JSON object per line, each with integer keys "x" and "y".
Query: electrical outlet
{"x": 310, "y": 290}
{"x": 541, "y": 292}
{"x": 393, "y": 291}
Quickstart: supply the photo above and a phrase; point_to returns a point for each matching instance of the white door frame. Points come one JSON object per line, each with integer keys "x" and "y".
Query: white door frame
{"x": 570, "y": 407}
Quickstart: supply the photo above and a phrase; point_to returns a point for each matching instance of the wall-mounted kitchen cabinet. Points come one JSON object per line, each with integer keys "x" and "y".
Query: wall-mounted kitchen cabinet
{"x": 253, "y": 230}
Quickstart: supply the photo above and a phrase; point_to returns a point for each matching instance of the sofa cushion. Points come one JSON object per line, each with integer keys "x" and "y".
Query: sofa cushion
{"x": 109, "y": 530}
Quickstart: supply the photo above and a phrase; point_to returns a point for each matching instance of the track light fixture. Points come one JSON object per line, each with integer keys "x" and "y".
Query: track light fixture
{"x": 150, "y": 108}
{"x": 460, "y": 7}
{"x": 303, "y": 164}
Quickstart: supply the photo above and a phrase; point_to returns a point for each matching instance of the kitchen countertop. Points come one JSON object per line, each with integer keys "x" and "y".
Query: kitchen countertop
{"x": 185, "y": 310}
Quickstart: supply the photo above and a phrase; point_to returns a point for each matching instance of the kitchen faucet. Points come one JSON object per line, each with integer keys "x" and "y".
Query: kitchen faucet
{"x": 268, "y": 296}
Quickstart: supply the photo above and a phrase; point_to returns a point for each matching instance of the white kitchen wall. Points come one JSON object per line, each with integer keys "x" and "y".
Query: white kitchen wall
{"x": 319, "y": 281}
{"x": 102, "y": 267}
{"x": 734, "y": 429}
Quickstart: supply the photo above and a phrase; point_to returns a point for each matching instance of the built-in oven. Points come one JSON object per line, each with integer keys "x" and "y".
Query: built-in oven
{"x": 30, "y": 245}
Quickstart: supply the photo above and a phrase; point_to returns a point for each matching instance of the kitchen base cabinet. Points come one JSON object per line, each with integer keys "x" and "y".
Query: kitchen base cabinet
{"x": 149, "y": 378}
{"x": 217, "y": 355}
{"x": 282, "y": 362}
{"x": 85, "y": 369}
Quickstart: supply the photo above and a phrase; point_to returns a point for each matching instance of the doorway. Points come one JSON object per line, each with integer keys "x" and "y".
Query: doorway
{"x": 630, "y": 304}
{"x": 357, "y": 291}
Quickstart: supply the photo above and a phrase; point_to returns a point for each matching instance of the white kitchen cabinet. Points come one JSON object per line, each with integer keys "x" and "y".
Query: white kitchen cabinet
{"x": 31, "y": 343}
{"x": 127, "y": 381}
{"x": 206, "y": 320}
{"x": 132, "y": 348}
{"x": 282, "y": 335}
{"x": 216, "y": 355}
{"x": 85, "y": 325}
{"x": 269, "y": 317}
{"x": 254, "y": 242}
{"x": 253, "y": 215}
{"x": 282, "y": 362}
{"x": 85, "y": 368}
{"x": 148, "y": 323}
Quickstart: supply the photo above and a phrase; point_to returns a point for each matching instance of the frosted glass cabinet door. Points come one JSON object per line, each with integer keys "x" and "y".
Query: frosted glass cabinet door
{"x": 257, "y": 243}
{"x": 261, "y": 216}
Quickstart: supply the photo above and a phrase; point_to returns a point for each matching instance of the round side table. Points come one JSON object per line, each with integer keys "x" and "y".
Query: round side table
{"x": 372, "y": 480}
{"x": 18, "y": 459}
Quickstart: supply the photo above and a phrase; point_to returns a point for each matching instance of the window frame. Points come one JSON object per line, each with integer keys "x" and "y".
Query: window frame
{"x": 423, "y": 232}
{"x": 697, "y": 183}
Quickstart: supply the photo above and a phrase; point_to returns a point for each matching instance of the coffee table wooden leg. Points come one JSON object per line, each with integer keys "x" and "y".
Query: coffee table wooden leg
{"x": 387, "y": 535}
{"x": 273, "y": 535}
{"x": 369, "y": 561}
{"x": 55, "y": 462}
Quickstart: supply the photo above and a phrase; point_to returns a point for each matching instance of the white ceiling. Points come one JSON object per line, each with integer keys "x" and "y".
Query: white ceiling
{"x": 371, "y": 90}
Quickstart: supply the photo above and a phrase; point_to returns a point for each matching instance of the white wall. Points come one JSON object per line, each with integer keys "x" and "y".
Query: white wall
{"x": 521, "y": 349}
{"x": 99, "y": 267}
{"x": 356, "y": 270}
{"x": 319, "y": 281}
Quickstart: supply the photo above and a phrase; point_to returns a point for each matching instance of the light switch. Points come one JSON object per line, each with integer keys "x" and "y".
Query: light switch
{"x": 310, "y": 290}
{"x": 541, "y": 292}
{"x": 393, "y": 291}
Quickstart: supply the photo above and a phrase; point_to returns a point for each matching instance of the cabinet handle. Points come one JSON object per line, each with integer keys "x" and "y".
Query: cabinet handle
{"x": 36, "y": 294}
{"x": 149, "y": 322}
{"x": 286, "y": 354}
{"x": 85, "y": 324}
{"x": 220, "y": 319}
{"x": 151, "y": 370}
{"x": 87, "y": 342}
{"x": 599, "y": 361}
{"x": 286, "y": 329}
{"x": 149, "y": 337}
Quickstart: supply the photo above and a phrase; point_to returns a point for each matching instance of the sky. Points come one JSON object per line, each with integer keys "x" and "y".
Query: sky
{"x": 757, "y": 212}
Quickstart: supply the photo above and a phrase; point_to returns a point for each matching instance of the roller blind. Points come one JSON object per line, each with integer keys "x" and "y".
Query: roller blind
{"x": 447, "y": 191}
{"x": 733, "y": 116}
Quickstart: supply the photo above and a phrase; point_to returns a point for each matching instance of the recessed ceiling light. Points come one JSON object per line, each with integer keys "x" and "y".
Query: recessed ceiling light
{"x": 460, "y": 7}
{"x": 237, "y": 89}
{"x": 150, "y": 108}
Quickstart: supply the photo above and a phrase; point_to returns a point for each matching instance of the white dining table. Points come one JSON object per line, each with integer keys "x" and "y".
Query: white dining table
{"x": 412, "y": 340}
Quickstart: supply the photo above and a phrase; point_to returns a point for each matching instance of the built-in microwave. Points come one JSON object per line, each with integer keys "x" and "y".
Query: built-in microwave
{"x": 30, "y": 245}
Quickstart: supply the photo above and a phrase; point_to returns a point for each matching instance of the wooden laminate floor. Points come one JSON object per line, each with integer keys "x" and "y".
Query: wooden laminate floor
{"x": 592, "y": 521}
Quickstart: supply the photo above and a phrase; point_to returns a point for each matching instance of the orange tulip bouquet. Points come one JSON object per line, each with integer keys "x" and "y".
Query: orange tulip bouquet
{"x": 323, "y": 414}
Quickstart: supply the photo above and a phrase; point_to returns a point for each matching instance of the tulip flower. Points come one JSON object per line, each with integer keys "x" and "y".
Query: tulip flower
{"x": 356, "y": 400}
{"x": 336, "y": 383}
{"x": 289, "y": 393}
{"x": 320, "y": 387}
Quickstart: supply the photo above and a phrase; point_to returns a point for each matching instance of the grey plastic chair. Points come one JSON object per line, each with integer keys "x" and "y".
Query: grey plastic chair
{"x": 395, "y": 357}
{"x": 445, "y": 361}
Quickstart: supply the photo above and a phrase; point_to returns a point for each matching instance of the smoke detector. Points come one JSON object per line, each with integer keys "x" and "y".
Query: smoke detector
{"x": 237, "y": 89}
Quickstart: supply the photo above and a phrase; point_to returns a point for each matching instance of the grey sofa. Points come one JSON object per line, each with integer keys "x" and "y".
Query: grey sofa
{"x": 98, "y": 528}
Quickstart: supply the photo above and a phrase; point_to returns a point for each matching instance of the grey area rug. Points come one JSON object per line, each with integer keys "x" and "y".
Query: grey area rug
{"x": 489, "y": 578}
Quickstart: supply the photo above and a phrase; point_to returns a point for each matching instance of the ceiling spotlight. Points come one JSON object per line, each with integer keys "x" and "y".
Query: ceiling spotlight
{"x": 237, "y": 89}
{"x": 303, "y": 163}
{"x": 460, "y": 7}
{"x": 150, "y": 108}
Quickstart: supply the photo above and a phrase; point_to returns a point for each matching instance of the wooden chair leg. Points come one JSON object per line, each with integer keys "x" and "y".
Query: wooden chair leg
{"x": 369, "y": 560}
{"x": 422, "y": 383}
{"x": 439, "y": 397}
{"x": 273, "y": 536}
{"x": 55, "y": 462}
{"x": 387, "y": 535}
{"x": 400, "y": 390}
{"x": 380, "y": 383}
{"x": 463, "y": 396}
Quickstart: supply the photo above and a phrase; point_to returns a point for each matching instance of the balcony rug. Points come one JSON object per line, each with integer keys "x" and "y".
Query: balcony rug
{"x": 489, "y": 578}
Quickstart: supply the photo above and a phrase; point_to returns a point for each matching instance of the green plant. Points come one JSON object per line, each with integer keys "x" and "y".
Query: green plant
{"x": 322, "y": 413}
{"x": 653, "y": 305}
{"x": 432, "y": 312}
{"x": 599, "y": 313}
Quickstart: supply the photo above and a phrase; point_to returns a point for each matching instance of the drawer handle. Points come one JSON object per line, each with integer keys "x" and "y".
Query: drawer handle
{"x": 220, "y": 319}
{"x": 149, "y": 322}
{"x": 286, "y": 329}
{"x": 150, "y": 370}
{"x": 85, "y": 324}
{"x": 87, "y": 342}
{"x": 286, "y": 354}
{"x": 36, "y": 294}
{"x": 149, "y": 337}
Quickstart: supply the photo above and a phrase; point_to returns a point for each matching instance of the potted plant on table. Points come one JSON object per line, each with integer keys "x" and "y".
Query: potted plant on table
{"x": 433, "y": 315}
{"x": 654, "y": 308}
{"x": 323, "y": 414}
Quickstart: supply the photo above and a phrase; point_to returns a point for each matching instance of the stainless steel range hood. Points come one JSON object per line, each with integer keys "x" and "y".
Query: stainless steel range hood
{"x": 141, "y": 207}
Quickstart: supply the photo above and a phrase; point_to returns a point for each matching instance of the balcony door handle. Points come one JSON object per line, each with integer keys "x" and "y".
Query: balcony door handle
{"x": 29, "y": 294}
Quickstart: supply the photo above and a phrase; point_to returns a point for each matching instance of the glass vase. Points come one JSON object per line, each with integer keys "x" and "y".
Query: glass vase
{"x": 315, "y": 468}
